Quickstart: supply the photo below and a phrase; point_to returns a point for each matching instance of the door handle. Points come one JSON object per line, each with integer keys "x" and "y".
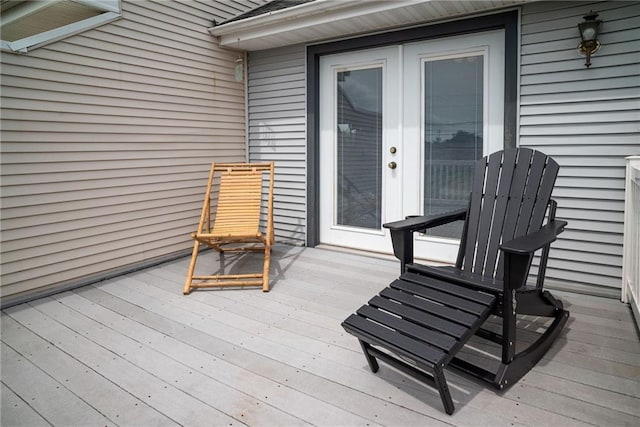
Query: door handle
{"x": 392, "y": 165}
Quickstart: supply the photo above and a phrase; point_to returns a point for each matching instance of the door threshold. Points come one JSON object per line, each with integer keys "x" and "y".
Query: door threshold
{"x": 378, "y": 255}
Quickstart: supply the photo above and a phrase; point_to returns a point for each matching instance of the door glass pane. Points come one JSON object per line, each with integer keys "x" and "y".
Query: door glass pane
{"x": 453, "y": 122}
{"x": 359, "y": 148}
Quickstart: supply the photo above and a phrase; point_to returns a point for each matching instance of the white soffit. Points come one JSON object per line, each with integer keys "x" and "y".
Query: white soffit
{"x": 333, "y": 19}
{"x": 26, "y": 25}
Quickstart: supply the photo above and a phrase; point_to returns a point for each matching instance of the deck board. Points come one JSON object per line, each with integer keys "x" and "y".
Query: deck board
{"x": 44, "y": 394}
{"x": 134, "y": 351}
{"x": 16, "y": 411}
{"x": 80, "y": 379}
{"x": 287, "y": 376}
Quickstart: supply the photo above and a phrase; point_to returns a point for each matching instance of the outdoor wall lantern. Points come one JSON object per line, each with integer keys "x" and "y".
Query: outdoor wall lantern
{"x": 589, "y": 30}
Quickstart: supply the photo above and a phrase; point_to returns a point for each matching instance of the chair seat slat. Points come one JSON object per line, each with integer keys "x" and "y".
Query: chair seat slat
{"x": 438, "y": 296}
{"x": 446, "y": 286}
{"x": 420, "y": 314}
{"x": 411, "y": 347}
{"x": 433, "y": 337}
{"x": 430, "y": 307}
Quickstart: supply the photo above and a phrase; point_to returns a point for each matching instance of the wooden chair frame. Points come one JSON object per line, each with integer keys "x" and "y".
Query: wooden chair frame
{"x": 236, "y": 221}
{"x": 429, "y": 313}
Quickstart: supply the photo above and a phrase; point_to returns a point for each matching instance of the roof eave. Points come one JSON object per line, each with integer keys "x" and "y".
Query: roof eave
{"x": 248, "y": 33}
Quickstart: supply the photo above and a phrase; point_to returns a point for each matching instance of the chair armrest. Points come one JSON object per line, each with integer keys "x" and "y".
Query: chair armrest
{"x": 518, "y": 254}
{"x": 417, "y": 223}
{"x": 532, "y": 242}
{"x": 402, "y": 232}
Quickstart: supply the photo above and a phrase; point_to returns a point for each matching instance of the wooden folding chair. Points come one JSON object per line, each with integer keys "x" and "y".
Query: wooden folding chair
{"x": 236, "y": 222}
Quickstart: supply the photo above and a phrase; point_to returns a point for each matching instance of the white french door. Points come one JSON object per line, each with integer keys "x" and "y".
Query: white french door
{"x": 359, "y": 123}
{"x": 400, "y": 128}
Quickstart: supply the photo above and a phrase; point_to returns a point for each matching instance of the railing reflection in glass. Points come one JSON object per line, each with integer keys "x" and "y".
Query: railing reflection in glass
{"x": 453, "y": 134}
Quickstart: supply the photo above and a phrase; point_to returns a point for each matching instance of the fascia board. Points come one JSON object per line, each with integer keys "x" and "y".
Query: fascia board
{"x": 37, "y": 40}
{"x": 105, "y": 5}
{"x": 271, "y": 18}
{"x": 303, "y": 16}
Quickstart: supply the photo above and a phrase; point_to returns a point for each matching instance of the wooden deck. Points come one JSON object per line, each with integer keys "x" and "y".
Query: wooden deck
{"x": 135, "y": 351}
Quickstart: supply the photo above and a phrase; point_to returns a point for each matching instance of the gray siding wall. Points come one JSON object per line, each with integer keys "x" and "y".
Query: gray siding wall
{"x": 277, "y": 131}
{"x": 106, "y": 141}
{"x": 588, "y": 120}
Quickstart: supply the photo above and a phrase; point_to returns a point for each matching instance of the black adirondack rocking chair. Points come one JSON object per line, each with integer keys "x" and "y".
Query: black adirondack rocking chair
{"x": 421, "y": 321}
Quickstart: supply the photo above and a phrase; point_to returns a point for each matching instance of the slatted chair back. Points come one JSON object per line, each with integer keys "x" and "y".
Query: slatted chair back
{"x": 239, "y": 202}
{"x": 510, "y": 196}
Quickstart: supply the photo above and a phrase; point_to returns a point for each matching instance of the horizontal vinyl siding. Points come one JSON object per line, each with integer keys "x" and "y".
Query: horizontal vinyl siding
{"x": 588, "y": 120}
{"x": 106, "y": 141}
{"x": 277, "y": 131}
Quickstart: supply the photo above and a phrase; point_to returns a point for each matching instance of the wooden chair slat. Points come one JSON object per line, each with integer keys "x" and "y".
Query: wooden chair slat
{"x": 504, "y": 189}
{"x": 435, "y": 338}
{"x": 407, "y": 299}
{"x": 426, "y": 313}
{"x": 433, "y": 294}
{"x": 544, "y": 193}
{"x": 406, "y": 345}
{"x": 448, "y": 287}
{"x": 520, "y": 176}
{"x": 487, "y": 211}
{"x": 474, "y": 213}
{"x": 530, "y": 193}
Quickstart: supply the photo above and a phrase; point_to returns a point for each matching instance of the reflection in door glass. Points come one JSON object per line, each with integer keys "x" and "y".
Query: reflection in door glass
{"x": 453, "y": 120}
{"x": 359, "y": 148}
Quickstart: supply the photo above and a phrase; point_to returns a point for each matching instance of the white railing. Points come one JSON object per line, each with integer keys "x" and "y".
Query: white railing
{"x": 450, "y": 179}
{"x": 631, "y": 248}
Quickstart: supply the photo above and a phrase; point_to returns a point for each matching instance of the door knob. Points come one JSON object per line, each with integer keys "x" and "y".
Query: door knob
{"x": 392, "y": 165}
{"x": 393, "y": 150}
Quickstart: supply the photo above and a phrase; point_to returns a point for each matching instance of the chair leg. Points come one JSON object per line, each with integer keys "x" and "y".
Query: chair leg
{"x": 373, "y": 363}
{"x": 443, "y": 389}
{"x": 192, "y": 267}
{"x": 265, "y": 270}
